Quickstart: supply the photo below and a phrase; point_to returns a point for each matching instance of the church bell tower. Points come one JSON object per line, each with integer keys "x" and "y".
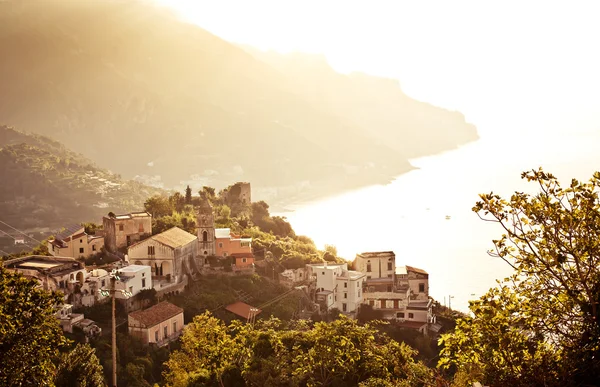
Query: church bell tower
{"x": 206, "y": 230}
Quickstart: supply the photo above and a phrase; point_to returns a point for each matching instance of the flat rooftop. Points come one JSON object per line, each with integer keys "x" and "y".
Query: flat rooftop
{"x": 133, "y": 268}
{"x": 38, "y": 265}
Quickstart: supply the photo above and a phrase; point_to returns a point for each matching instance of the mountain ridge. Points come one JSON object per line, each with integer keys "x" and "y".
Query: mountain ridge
{"x": 149, "y": 96}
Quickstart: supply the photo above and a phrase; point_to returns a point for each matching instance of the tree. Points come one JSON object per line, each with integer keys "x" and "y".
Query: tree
{"x": 550, "y": 307}
{"x": 79, "y": 367}
{"x": 158, "y": 206}
{"x": 29, "y": 333}
{"x": 267, "y": 353}
{"x": 188, "y": 195}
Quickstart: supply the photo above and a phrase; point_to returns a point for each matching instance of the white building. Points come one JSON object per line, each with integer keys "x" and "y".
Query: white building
{"x": 400, "y": 293}
{"x": 134, "y": 279}
{"x": 337, "y": 287}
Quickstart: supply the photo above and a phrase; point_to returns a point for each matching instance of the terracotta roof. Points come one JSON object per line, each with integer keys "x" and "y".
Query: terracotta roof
{"x": 416, "y": 270}
{"x": 156, "y": 314}
{"x": 241, "y": 309}
{"x": 174, "y": 237}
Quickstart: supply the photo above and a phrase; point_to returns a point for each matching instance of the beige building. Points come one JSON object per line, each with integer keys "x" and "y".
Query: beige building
{"x": 159, "y": 324}
{"x": 75, "y": 243}
{"x": 124, "y": 230}
{"x": 169, "y": 253}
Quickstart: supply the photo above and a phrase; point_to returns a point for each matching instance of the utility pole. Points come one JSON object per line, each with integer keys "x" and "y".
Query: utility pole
{"x": 114, "y": 277}
{"x": 113, "y": 280}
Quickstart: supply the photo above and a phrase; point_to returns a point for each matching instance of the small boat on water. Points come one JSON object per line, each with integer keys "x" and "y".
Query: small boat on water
{"x": 447, "y": 217}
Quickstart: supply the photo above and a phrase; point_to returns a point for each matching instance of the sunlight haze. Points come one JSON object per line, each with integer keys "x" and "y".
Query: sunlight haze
{"x": 508, "y": 66}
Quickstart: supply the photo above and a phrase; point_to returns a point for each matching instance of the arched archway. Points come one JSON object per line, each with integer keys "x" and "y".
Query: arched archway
{"x": 80, "y": 278}
{"x": 204, "y": 236}
{"x": 71, "y": 278}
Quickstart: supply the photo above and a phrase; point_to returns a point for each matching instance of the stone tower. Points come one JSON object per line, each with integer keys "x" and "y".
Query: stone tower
{"x": 206, "y": 230}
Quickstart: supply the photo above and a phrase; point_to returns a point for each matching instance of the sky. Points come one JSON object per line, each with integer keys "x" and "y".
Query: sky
{"x": 509, "y": 66}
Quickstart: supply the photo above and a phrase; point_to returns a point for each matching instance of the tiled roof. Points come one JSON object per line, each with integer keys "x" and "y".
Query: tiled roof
{"x": 241, "y": 309}
{"x": 174, "y": 237}
{"x": 156, "y": 314}
{"x": 242, "y": 255}
{"x": 68, "y": 231}
{"x": 377, "y": 254}
{"x": 416, "y": 270}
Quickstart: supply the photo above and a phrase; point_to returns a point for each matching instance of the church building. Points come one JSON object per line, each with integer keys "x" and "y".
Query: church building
{"x": 206, "y": 230}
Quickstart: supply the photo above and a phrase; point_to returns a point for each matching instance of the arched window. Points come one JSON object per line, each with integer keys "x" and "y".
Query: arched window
{"x": 205, "y": 252}
{"x": 204, "y": 236}
{"x": 368, "y": 266}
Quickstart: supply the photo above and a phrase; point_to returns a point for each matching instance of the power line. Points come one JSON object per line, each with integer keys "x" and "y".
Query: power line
{"x": 21, "y": 232}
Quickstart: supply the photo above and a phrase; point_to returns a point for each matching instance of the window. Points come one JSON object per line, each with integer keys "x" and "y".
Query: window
{"x": 300, "y": 275}
{"x": 131, "y": 289}
{"x": 81, "y": 241}
{"x": 141, "y": 228}
{"x": 103, "y": 283}
{"x": 204, "y": 237}
{"x": 156, "y": 336}
{"x": 368, "y": 277}
{"x": 151, "y": 250}
{"x": 389, "y": 288}
{"x": 165, "y": 331}
{"x": 244, "y": 260}
{"x": 335, "y": 297}
{"x": 143, "y": 274}
{"x": 220, "y": 245}
{"x": 345, "y": 295}
{"x": 372, "y": 303}
{"x": 344, "y": 307}
{"x": 400, "y": 314}
{"x": 205, "y": 252}
{"x": 322, "y": 273}
{"x": 368, "y": 266}
{"x": 120, "y": 227}
{"x": 411, "y": 315}
{"x": 345, "y": 284}
{"x": 81, "y": 250}
{"x": 390, "y": 266}
{"x": 143, "y": 282}
{"x": 421, "y": 288}
{"x": 359, "y": 292}
{"x": 93, "y": 247}
{"x": 389, "y": 276}
{"x": 174, "y": 326}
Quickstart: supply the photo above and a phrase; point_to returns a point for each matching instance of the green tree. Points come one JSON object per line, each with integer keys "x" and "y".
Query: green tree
{"x": 29, "y": 333}
{"x": 158, "y": 206}
{"x": 79, "y": 367}
{"x": 340, "y": 353}
{"x": 550, "y": 307}
{"x": 188, "y": 195}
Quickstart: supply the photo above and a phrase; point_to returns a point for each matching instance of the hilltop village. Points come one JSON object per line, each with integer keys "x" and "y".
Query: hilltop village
{"x": 147, "y": 269}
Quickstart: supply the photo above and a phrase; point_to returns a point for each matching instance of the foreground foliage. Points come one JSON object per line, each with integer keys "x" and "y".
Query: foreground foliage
{"x": 541, "y": 326}
{"x": 267, "y": 353}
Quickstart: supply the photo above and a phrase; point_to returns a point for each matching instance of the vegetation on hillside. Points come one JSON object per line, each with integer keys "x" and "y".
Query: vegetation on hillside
{"x": 540, "y": 326}
{"x": 46, "y": 185}
{"x": 273, "y": 353}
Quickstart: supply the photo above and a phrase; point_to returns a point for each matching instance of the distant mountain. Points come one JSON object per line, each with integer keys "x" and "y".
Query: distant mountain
{"x": 139, "y": 91}
{"x": 46, "y": 185}
{"x": 377, "y": 104}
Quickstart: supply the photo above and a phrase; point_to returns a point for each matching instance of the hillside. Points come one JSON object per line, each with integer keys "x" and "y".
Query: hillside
{"x": 46, "y": 185}
{"x": 411, "y": 127}
{"x": 144, "y": 94}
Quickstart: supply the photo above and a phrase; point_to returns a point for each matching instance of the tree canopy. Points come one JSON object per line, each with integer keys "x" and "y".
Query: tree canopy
{"x": 540, "y": 326}
{"x": 30, "y": 336}
{"x": 268, "y": 353}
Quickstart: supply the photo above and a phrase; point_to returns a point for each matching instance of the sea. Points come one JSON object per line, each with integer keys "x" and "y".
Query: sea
{"x": 425, "y": 216}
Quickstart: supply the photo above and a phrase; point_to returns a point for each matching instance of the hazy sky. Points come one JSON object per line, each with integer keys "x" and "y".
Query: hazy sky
{"x": 508, "y": 65}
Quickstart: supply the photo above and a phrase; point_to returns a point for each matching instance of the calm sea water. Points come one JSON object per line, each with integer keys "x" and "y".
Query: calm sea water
{"x": 409, "y": 216}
